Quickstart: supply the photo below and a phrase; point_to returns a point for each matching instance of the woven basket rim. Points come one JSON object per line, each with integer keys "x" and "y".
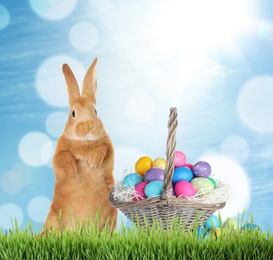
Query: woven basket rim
{"x": 173, "y": 201}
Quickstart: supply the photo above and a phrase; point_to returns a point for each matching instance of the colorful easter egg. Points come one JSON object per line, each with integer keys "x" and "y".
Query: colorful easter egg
{"x": 213, "y": 181}
{"x": 212, "y": 222}
{"x": 182, "y": 173}
{"x": 172, "y": 191}
{"x": 132, "y": 179}
{"x": 179, "y": 159}
{"x": 139, "y": 189}
{"x": 143, "y": 164}
{"x": 154, "y": 174}
{"x": 231, "y": 224}
{"x": 250, "y": 227}
{"x": 215, "y": 232}
{"x": 189, "y": 165}
{"x": 201, "y": 169}
{"x": 160, "y": 163}
{"x": 202, "y": 185}
{"x": 202, "y": 233}
{"x": 184, "y": 189}
{"x": 153, "y": 189}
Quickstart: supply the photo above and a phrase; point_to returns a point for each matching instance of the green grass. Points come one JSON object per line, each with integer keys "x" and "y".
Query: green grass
{"x": 151, "y": 243}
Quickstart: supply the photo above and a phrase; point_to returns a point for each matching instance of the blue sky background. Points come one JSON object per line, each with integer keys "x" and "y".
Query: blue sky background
{"x": 211, "y": 59}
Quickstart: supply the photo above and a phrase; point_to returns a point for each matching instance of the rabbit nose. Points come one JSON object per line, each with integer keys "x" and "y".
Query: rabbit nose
{"x": 88, "y": 126}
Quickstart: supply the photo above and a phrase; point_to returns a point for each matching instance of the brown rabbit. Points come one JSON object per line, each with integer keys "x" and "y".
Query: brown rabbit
{"x": 83, "y": 162}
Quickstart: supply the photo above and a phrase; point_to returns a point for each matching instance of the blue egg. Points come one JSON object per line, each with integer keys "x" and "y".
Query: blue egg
{"x": 182, "y": 174}
{"x": 153, "y": 189}
{"x": 202, "y": 233}
{"x": 250, "y": 227}
{"x": 132, "y": 179}
{"x": 212, "y": 222}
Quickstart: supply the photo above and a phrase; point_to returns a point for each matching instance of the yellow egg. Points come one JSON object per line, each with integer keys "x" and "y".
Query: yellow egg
{"x": 216, "y": 232}
{"x": 143, "y": 164}
{"x": 160, "y": 163}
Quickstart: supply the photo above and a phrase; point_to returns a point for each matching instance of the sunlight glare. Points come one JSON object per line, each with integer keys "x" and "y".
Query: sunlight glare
{"x": 196, "y": 25}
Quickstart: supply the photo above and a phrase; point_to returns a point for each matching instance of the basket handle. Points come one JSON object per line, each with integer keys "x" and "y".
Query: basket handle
{"x": 170, "y": 154}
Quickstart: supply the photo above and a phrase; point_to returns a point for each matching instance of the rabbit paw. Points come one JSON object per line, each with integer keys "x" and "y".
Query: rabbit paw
{"x": 64, "y": 165}
{"x": 64, "y": 173}
{"x": 95, "y": 159}
{"x": 71, "y": 171}
{"x": 70, "y": 168}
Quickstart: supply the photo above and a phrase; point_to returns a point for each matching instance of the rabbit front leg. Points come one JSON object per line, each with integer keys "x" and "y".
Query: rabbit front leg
{"x": 64, "y": 164}
{"x": 97, "y": 155}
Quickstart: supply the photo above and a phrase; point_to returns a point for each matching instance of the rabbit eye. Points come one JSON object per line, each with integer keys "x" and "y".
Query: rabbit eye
{"x": 73, "y": 113}
{"x": 96, "y": 112}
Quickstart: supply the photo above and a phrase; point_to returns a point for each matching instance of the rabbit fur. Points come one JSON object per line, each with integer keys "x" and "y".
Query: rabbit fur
{"x": 83, "y": 162}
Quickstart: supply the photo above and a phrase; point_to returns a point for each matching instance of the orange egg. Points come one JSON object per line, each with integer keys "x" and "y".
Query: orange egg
{"x": 143, "y": 164}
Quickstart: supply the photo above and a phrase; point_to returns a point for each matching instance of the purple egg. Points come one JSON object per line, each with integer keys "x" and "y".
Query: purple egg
{"x": 154, "y": 174}
{"x": 172, "y": 192}
{"x": 201, "y": 169}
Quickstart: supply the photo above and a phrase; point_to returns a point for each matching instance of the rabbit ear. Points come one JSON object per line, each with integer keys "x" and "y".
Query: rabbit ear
{"x": 90, "y": 83}
{"x": 71, "y": 82}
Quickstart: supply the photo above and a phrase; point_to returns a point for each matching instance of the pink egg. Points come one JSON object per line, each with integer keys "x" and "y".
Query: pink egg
{"x": 179, "y": 159}
{"x": 183, "y": 189}
{"x": 189, "y": 165}
{"x": 139, "y": 188}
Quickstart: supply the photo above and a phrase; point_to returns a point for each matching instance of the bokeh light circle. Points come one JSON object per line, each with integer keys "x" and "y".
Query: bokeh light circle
{"x": 53, "y": 9}
{"x": 50, "y": 82}
{"x": 9, "y": 213}
{"x": 4, "y": 17}
{"x": 255, "y": 104}
{"x": 230, "y": 171}
{"x": 35, "y": 149}
{"x": 140, "y": 108}
{"x": 265, "y": 29}
{"x": 235, "y": 147}
{"x": 12, "y": 182}
{"x": 55, "y": 123}
{"x": 83, "y": 36}
{"x": 38, "y": 208}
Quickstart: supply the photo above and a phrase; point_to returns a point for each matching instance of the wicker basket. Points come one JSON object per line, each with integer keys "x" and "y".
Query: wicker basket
{"x": 165, "y": 208}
